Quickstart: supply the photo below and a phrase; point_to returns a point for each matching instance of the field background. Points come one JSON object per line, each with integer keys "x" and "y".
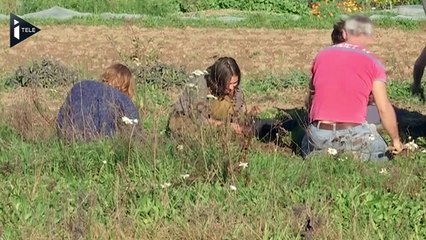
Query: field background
{"x": 119, "y": 189}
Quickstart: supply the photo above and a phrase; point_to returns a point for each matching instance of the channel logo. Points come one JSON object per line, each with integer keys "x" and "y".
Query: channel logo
{"x": 20, "y": 30}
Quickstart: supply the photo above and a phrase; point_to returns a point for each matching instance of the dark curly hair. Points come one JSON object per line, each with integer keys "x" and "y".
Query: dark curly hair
{"x": 220, "y": 74}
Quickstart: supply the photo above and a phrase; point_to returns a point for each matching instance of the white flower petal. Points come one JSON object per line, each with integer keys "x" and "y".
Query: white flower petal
{"x": 210, "y": 96}
{"x": 243, "y": 165}
{"x": 166, "y": 185}
{"x": 383, "y": 171}
{"x": 184, "y": 176}
{"x": 180, "y": 147}
{"x": 129, "y": 121}
{"x": 411, "y": 146}
{"x": 190, "y": 85}
{"x": 198, "y": 72}
{"x": 126, "y": 120}
{"x": 233, "y": 188}
{"x": 332, "y": 151}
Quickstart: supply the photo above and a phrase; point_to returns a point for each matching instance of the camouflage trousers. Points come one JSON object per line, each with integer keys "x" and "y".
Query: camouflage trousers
{"x": 363, "y": 141}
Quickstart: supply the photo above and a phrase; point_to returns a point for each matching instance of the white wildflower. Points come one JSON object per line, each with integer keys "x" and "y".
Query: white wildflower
{"x": 180, "y": 147}
{"x": 411, "y": 146}
{"x": 233, "y": 188}
{"x": 104, "y": 162}
{"x": 191, "y": 85}
{"x": 371, "y": 137}
{"x": 210, "y": 96}
{"x": 198, "y": 72}
{"x": 424, "y": 151}
{"x": 165, "y": 185}
{"x": 243, "y": 165}
{"x": 128, "y": 121}
{"x": 332, "y": 151}
{"x": 137, "y": 61}
{"x": 184, "y": 176}
{"x": 383, "y": 171}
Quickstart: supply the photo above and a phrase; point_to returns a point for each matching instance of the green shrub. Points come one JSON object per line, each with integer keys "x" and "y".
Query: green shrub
{"x": 43, "y": 73}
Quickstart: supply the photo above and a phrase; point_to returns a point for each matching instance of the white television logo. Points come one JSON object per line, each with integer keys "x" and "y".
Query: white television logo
{"x": 16, "y": 29}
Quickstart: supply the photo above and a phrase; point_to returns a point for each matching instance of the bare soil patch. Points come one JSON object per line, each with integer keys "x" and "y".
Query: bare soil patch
{"x": 256, "y": 50}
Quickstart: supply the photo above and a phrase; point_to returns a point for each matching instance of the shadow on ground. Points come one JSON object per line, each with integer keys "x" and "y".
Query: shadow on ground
{"x": 287, "y": 129}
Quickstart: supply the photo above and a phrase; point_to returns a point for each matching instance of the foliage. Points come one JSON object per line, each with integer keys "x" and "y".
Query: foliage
{"x": 162, "y": 188}
{"x": 148, "y": 69}
{"x": 322, "y": 8}
{"x": 385, "y": 4}
{"x": 272, "y": 83}
{"x": 43, "y": 73}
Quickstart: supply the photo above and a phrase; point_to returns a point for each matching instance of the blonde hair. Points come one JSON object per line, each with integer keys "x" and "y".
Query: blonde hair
{"x": 120, "y": 77}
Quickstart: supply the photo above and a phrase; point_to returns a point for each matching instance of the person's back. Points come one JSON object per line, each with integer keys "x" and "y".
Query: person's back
{"x": 343, "y": 75}
{"x": 93, "y": 109}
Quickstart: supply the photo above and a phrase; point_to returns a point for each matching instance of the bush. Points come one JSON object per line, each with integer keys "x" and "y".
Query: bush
{"x": 160, "y": 74}
{"x": 43, "y": 73}
{"x": 381, "y": 4}
{"x": 164, "y": 7}
{"x": 278, "y": 6}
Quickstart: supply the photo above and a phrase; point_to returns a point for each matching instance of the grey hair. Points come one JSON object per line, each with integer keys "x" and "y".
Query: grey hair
{"x": 357, "y": 25}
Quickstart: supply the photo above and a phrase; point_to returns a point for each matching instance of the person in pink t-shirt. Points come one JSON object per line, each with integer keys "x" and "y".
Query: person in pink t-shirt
{"x": 343, "y": 76}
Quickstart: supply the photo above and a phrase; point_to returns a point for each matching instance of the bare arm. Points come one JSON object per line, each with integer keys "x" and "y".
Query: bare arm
{"x": 387, "y": 112}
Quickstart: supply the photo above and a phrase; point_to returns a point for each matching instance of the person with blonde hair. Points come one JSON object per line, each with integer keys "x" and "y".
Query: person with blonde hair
{"x": 96, "y": 108}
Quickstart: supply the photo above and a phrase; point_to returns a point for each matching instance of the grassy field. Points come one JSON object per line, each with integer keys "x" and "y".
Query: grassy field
{"x": 161, "y": 189}
{"x": 205, "y": 188}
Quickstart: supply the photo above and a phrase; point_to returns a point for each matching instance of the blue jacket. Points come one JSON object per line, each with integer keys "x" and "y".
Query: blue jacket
{"x": 93, "y": 109}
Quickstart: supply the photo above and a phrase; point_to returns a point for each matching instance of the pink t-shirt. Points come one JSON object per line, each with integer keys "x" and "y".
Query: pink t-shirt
{"x": 343, "y": 76}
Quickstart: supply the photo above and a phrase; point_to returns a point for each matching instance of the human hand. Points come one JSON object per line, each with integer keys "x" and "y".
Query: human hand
{"x": 397, "y": 146}
{"x": 237, "y": 128}
{"x": 215, "y": 122}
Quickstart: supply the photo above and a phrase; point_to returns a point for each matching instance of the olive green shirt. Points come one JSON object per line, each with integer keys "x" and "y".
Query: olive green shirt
{"x": 199, "y": 104}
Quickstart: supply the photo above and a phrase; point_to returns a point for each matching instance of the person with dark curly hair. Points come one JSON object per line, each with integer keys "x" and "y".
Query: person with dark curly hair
{"x": 337, "y": 35}
{"x": 213, "y": 97}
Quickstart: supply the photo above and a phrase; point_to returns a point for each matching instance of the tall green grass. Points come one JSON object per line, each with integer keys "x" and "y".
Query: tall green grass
{"x": 160, "y": 7}
{"x": 157, "y": 189}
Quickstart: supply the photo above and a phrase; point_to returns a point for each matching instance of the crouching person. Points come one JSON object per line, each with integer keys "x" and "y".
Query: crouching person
{"x": 343, "y": 76}
{"x": 93, "y": 109}
{"x": 213, "y": 98}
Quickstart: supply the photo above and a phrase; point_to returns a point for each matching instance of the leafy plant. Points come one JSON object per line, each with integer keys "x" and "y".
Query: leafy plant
{"x": 43, "y": 73}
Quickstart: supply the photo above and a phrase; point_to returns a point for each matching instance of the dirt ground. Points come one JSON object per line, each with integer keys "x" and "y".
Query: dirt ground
{"x": 256, "y": 50}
